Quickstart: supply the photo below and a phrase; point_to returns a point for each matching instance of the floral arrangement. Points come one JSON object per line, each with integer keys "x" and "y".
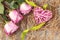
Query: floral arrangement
{"x": 16, "y": 14}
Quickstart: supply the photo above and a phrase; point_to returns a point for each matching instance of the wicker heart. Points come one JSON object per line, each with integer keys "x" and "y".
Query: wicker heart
{"x": 41, "y": 15}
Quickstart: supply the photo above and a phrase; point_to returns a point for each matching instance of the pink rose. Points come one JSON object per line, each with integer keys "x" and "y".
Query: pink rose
{"x": 25, "y": 8}
{"x": 10, "y": 28}
{"x": 15, "y": 16}
{"x": 41, "y": 15}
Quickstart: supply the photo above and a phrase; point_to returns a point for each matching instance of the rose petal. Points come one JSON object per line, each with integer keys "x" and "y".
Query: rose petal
{"x": 25, "y": 8}
{"x": 10, "y": 28}
{"x": 15, "y": 16}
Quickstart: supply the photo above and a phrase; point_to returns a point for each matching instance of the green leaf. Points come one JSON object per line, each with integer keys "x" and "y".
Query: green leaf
{"x": 1, "y": 9}
{"x": 45, "y": 6}
{"x": 9, "y": 1}
{"x": 4, "y": 17}
{"x": 1, "y": 1}
{"x": 11, "y": 4}
{"x": 14, "y": 5}
{"x": 31, "y": 3}
{"x": 37, "y": 27}
{"x": 20, "y": 1}
{"x": 24, "y": 34}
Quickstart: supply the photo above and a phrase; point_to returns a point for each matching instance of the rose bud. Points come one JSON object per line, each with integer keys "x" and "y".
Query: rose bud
{"x": 15, "y": 16}
{"x": 10, "y": 28}
{"x": 41, "y": 15}
{"x": 25, "y": 8}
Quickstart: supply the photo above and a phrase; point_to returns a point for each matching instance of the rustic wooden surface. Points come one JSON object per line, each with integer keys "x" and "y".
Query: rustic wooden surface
{"x": 51, "y": 30}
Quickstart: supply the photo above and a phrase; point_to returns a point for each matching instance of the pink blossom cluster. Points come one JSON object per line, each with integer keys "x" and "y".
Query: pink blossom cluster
{"x": 40, "y": 16}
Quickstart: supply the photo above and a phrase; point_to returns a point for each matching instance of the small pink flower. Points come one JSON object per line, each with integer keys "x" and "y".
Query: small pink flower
{"x": 10, "y": 28}
{"x": 25, "y": 8}
{"x": 15, "y": 16}
{"x": 41, "y": 15}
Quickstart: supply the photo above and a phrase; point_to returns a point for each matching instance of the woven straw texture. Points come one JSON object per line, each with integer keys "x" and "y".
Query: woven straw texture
{"x": 51, "y": 30}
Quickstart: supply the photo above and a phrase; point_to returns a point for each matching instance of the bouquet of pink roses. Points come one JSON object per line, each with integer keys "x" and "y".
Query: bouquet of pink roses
{"x": 16, "y": 12}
